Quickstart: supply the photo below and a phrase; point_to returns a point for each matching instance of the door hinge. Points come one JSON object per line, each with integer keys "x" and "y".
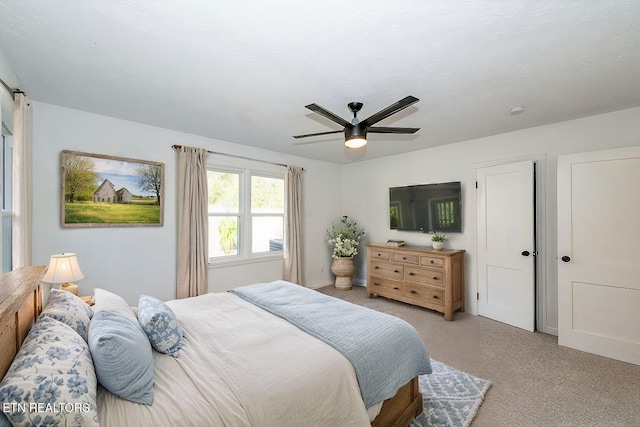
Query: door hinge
{"x": 476, "y": 184}
{"x": 478, "y": 296}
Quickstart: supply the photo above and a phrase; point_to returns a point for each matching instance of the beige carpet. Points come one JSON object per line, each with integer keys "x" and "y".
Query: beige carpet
{"x": 534, "y": 382}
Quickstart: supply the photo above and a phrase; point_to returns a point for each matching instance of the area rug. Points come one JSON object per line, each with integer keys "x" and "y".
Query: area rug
{"x": 451, "y": 397}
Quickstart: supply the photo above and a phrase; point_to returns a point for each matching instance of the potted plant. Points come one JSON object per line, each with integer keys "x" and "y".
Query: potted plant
{"x": 344, "y": 239}
{"x": 438, "y": 240}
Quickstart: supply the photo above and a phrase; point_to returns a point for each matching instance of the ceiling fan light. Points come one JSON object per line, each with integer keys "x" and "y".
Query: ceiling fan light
{"x": 355, "y": 142}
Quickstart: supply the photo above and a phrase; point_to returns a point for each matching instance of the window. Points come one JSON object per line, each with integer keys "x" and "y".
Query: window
{"x": 246, "y": 213}
{"x": 6, "y": 164}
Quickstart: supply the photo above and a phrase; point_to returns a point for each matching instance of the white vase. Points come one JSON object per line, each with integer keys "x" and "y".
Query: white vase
{"x": 438, "y": 245}
{"x": 343, "y": 269}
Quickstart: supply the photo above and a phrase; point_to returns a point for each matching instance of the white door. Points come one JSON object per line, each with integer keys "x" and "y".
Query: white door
{"x": 505, "y": 230}
{"x": 599, "y": 253}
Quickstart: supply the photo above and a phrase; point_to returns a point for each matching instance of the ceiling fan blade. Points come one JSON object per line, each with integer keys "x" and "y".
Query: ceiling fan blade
{"x": 317, "y": 134}
{"x": 328, "y": 114}
{"x": 380, "y": 129}
{"x": 391, "y": 109}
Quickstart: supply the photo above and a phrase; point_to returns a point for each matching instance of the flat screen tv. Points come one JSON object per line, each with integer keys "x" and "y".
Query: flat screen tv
{"x": 426, "y": 207}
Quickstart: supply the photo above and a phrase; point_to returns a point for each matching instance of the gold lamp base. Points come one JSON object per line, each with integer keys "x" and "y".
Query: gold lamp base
{"x": 69, "y": 287}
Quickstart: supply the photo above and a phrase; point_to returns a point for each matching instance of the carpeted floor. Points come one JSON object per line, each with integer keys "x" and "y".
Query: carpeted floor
{"x": 534, "y": 382}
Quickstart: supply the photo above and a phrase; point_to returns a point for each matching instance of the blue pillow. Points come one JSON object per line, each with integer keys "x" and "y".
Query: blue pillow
{"x": 160, "y": 324}
{"x": 122, "y": 356}
{"x": 109, "y": 301}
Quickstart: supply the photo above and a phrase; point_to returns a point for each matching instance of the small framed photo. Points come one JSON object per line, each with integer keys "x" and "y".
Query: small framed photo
{"x": 108, "y": 191}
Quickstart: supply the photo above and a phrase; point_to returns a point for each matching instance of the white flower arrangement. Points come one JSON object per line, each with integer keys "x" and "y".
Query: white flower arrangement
{"x": 344, "y": 238}
{"x": 438, "y": 237}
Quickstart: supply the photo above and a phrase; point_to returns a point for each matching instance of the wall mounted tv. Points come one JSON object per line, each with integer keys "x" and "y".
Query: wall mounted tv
{"x": 426, "y": 207}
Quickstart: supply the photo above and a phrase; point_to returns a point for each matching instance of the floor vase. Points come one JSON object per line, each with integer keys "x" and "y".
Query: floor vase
{"x": 343, "y": 269}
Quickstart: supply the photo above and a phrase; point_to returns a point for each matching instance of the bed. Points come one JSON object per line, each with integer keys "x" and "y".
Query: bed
{"x": 239, "y": 365}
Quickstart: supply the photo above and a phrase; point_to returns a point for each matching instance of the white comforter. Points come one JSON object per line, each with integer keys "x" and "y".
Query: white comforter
{"x": 242, "y": 366}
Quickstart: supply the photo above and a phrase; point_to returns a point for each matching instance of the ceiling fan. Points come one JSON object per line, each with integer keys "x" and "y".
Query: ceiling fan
{"x": 355, "y": 133}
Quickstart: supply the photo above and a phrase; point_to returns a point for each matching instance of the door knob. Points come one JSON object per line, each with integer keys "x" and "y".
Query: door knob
{"x": 525, "y": 253}
{"x": 566, "y": 258}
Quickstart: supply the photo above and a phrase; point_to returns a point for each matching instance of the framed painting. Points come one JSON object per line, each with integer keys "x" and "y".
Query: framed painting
{"x": 108, "y": 191}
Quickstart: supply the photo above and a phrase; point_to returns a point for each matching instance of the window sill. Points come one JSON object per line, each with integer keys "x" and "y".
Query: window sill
{"x": 243, "y": 261}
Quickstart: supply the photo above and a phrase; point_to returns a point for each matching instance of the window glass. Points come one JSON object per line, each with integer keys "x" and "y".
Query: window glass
{"x": 223, "y": 236}
{"x": 267, "y": 234}
{"x": 267, "y": 214}
{"x": 224, "y": 192}
{"x": 224, "y": 199}
{"x": 6, "y": 157}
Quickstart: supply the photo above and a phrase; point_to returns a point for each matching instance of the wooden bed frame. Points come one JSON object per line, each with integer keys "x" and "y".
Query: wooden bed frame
{"x": 21, "y": 304}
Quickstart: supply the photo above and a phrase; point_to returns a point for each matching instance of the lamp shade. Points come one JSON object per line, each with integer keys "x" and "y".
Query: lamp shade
{"x": 63, "y": 268}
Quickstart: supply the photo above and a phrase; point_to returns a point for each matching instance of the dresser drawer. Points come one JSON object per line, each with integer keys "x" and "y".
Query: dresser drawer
{"x": 380, "y": 286}
{"x": 431, "y": 261}
{"x": 424, "y": 275}
{"x": 424, "y": 293}
{"x": 406, "y": 258}
{"x": 386, "y": 270}
{"x": 379, "y": 254}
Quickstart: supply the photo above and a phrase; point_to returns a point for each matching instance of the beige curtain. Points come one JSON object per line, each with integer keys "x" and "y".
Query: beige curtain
{"x": 293, "y": 219}
{"x": 21, "y": 194}
{"x": 193, "y": 223}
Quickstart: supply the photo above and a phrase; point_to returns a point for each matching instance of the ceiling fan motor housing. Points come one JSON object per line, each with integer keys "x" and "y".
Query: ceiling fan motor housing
{"x": 356, "y": 131}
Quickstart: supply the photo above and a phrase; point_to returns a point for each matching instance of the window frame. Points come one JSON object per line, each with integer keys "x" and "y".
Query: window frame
{"x": 246, "y": 170}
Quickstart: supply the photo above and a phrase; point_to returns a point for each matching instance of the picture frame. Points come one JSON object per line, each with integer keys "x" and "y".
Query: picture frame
{"x": 107, "y": 191}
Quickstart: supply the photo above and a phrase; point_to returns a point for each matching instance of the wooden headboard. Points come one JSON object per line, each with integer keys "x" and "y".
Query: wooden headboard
{"x": 20, "y": 306}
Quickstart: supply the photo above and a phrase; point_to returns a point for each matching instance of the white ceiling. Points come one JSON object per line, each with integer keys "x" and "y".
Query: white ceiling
{"x": 242, "y": 71}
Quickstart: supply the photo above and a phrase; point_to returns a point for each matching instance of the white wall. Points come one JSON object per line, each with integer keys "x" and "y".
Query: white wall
{"x": 366, "y": 185}
{"x": 135, "y": 260}
{"x": 9, "y": 77}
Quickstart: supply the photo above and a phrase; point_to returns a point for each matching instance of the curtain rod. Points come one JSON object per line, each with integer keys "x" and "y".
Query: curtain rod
{"x": 11, "y": 90}
{"x": 238, "y": 157}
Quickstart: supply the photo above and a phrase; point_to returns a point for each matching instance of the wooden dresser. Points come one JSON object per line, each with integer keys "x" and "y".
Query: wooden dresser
{"x": 417, "y": 275}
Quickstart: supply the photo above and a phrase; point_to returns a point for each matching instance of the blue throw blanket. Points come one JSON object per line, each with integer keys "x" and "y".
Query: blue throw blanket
{"x": 386, "y": 352}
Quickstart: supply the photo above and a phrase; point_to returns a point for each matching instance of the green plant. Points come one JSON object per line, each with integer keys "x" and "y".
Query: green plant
{"x": 344, "y": 238}
{"x": 228, "y": 231}
{"x": 438, "y": 237}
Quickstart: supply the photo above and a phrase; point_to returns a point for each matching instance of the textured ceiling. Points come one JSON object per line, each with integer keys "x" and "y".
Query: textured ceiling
{"x": 243, "y": 71}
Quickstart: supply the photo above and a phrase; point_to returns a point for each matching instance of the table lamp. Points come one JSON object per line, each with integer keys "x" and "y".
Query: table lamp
{"x": 64, "y": 269}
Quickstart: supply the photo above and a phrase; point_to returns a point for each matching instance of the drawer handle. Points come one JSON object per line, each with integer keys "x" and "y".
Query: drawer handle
{"x": 376, "y": 284}
{"x": 431, "y": 261}
{"x": 379, "y": 254}
{"x": 435, "y": 297}
{"x": 396, "y": 271}
{"x": 435, "y": 278}
{"x": 413, "y": 292}
{"x": 404, "y": 257}
{"x": 376, "y": 267}
{"x": 411, "y": 274}
{"x": 396, "y": 288}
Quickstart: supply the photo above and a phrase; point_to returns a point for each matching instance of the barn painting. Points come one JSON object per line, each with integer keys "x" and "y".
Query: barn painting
{"x": 107, "y": 191}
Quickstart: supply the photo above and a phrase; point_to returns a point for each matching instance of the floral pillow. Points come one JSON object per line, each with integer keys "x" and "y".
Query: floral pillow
{"x": 70, "y": 310}
{"x": 52, "y": 380}
{"x": 160, "y": 324}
